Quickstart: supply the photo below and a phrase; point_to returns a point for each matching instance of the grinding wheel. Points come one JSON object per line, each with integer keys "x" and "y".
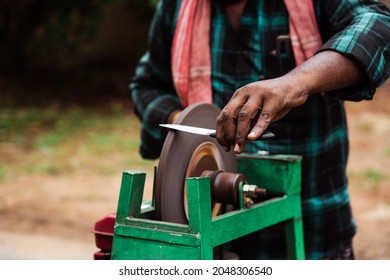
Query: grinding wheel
{"x": 187, "y": 155}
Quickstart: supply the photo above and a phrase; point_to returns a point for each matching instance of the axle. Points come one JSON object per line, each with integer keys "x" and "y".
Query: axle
{"x": 225, "y": 188}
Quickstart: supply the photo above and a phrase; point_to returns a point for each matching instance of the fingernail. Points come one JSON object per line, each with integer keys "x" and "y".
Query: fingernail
{"x": 236, "y": 148}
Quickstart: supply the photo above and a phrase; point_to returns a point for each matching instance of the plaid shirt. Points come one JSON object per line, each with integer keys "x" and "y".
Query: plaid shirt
{"x": 316, "y": 130}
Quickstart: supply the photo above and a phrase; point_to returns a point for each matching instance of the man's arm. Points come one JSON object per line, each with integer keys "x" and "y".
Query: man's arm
{"x": 361, "y": 31}
{"x": 346, "y": 61}
{"x": 254, "y": 106}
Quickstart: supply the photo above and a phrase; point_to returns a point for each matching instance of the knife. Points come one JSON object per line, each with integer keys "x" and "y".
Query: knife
{"x": 207, "y": 131}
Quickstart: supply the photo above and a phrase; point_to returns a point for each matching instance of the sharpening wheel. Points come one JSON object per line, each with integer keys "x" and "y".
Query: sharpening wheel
{"x": 187, "y": 155}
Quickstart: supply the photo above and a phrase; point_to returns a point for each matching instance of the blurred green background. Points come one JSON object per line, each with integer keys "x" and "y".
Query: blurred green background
{"x": 67, "y": 128}
{"x": 70, "y": 51}
{"x": 64, "y": 71}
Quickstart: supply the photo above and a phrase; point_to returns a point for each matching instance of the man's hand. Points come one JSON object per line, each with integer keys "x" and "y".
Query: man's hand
{"x": 253, "y": 107}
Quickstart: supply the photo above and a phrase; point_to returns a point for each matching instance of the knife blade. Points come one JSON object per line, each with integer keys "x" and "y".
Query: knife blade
{"x": 207, "y": 131}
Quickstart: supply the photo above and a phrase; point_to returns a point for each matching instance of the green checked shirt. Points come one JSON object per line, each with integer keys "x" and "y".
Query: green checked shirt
{"x": 316, "y": 130}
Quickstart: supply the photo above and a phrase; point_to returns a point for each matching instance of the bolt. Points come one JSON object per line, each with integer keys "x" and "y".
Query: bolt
{"x": 260, "y": 192}
{"x": 248, "y": 202}
{"x": 253, "y": 191}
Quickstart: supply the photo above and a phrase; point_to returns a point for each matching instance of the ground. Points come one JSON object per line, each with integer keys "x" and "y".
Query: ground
{"x": 50, "y": 215}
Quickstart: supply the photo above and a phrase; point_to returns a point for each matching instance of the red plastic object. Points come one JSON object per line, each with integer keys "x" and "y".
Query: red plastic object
{"x": 101, "y": 255}
{"x": 104, "y": 232}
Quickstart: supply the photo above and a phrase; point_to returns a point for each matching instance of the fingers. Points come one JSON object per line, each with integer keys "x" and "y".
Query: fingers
{"x": 236, "y": 119}
{"x": 224, "y": 120}
{"x": 267, "y": 114}
{"x": 253, "y": 107}
{"x": 246, "y": 117}
{"x": 227, "y": 123}
{"x": 273, "y": 110}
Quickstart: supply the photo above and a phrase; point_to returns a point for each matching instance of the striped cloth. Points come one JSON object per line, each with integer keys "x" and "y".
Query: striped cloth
{"x": 305, "y": 36}
{"x": 191, "y": 66}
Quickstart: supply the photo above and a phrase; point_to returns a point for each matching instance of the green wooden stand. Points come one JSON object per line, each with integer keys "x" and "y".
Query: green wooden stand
{"x": 138, "y": 237}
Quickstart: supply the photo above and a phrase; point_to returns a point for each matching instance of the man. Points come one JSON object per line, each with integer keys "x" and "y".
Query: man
{"x": 246, "y": 52}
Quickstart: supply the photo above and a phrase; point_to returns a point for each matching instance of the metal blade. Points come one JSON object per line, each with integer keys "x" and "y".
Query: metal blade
{"x": 190, "y": 129}
{"x": 207, "y": 131}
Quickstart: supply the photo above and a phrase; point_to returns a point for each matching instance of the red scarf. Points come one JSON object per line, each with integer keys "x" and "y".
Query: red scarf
{"x": 191, "y": 61}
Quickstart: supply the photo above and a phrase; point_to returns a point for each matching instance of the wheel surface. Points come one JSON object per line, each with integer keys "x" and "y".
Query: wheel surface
{"x": 188, "y": 155}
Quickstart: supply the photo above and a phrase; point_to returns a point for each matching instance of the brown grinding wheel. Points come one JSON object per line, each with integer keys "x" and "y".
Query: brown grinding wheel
{"x": 187, "y": 155}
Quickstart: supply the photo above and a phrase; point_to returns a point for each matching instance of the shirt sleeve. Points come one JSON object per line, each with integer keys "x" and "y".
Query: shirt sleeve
{"x": 360, "y": 30}
{"x": 152, "y": 90}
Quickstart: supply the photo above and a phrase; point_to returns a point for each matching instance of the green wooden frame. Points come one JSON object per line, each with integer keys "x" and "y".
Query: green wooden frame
{"x": 138, "y": 237}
